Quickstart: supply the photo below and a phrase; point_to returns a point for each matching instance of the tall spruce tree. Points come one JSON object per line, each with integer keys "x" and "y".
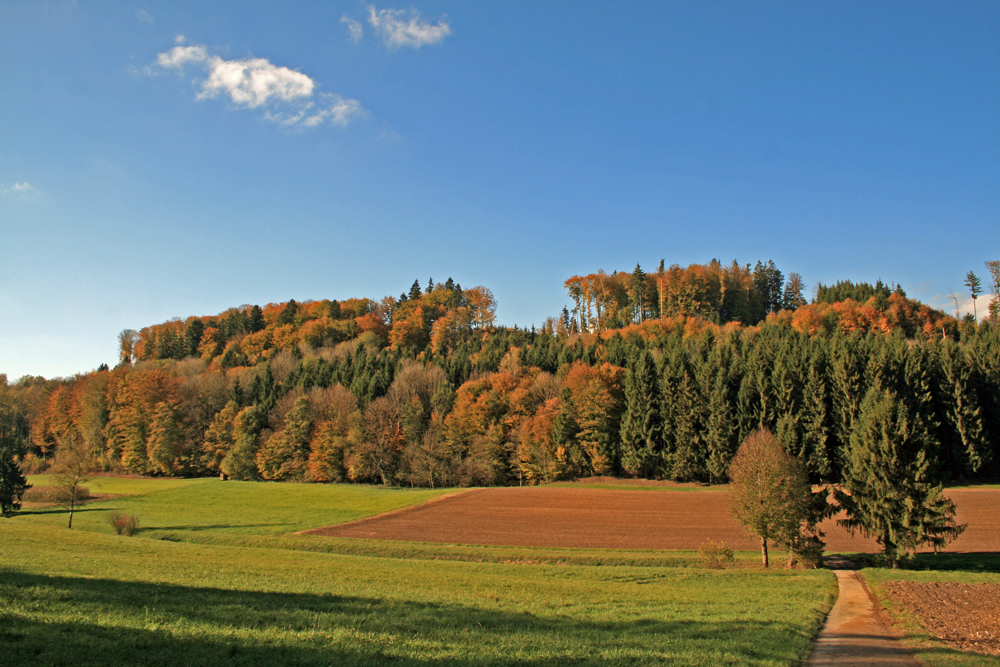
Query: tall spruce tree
{"x": 890, "y": 492}
{"x": 192, "y": 337}
{"x": 642, "y": 424}
{"x": 720, "y": 430}
{"x": 965, "y": 435}
{"x": 975, "y": 287}
{"x": 768, "y": 282}
{"x": 684, "y": 407}
{"x": 565, "y": 431}
{"x": 415, "y": 292}
{"x": 845, "y": 381}
{"x": 813, "y": 452}
{"x": 255, "y": 322}
{"x": 288, "y": 313}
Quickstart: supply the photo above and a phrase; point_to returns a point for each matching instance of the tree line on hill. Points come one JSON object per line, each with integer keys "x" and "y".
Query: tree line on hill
{"x": 657, "y": 375}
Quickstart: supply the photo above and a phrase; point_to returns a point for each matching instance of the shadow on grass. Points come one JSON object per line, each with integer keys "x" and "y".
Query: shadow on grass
{"x": 65, "y": 620}
{"x": 60, "y": 510}
{"x": 981, "y": 561}
{"x": 221, "y": 526}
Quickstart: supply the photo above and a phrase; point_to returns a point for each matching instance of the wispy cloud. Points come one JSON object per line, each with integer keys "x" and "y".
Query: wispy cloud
{"x": 22, "y": 188}
{"x": 287, "y": 96}
{"x": 400, "y": 27}
{"x": 354, "y": 28}
{"x": 143, "y": 16}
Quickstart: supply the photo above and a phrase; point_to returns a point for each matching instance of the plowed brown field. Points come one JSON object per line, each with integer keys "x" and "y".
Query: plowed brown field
{"x": 964, "y": 616}
{"x": 620, "y": 519}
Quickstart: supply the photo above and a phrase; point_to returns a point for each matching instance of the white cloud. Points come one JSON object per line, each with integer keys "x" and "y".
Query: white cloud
{"x": 399, "y": 27}
{"x": 179, "y": 56}
{"x": 287, "y": 96}
{"x": 334, "y": 110}
{"x": 143, "y": 16}
{"x": 354, "y": 28}
{"x": 17, "y": 188}
{"x": 253, "y": 82}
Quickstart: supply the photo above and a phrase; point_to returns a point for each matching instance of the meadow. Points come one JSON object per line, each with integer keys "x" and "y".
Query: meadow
{"x": 215, "y": 576}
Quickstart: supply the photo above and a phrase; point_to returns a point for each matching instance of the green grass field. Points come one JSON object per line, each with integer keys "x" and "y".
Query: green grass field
{"x": 216, "y": 577}
{"x": 181, "y": 507}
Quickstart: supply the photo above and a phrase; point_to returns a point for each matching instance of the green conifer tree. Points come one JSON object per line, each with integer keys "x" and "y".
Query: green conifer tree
{"x": 13, "y": 447}
{"x": 813, "y": 452}
{"x": 889, "y": 490}
{"x": 720, "y": 430}
{"x": 642, "y": 425}
{"x": 415, "y": 292}
{"x": 845, "y": 381}
{"x": 288, "y": 313}
{"x": 565, "y": 431}
{"x": 962, "y": 414}
{"x": 255, "y": 322}
{"x": 192, "y": 337}
{"x": 975, "y": 286}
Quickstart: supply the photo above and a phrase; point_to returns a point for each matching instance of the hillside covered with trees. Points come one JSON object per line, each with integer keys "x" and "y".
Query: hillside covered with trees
{"x": 657, "y": 375}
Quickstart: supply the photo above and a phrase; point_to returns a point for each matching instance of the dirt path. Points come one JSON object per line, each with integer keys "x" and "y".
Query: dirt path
{"x": 855, "y": 634}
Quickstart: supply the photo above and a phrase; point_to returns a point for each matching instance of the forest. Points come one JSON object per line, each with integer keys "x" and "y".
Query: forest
{"x": 645, "y": 374}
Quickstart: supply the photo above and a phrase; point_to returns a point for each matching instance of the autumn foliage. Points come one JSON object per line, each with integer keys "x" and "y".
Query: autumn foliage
{"x": 648, "y": 374}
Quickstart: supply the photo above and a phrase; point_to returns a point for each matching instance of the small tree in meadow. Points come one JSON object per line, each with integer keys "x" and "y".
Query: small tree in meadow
{"x": 771, "y": 497}
{"x": 69, "y": 474}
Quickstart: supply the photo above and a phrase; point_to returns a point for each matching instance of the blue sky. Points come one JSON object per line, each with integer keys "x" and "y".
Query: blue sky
{"x": 163, "y": 160}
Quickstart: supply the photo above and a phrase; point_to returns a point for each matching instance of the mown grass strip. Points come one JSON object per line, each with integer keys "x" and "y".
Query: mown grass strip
{"x": 459, "y": 552}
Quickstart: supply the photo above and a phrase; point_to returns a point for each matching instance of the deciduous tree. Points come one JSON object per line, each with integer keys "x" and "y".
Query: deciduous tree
{"x": 70, "y": 473}
{"x": 769, "y": 493}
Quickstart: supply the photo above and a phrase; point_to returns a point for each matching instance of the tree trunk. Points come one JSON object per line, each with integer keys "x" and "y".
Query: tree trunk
{"x": 763, "y": 551}
{"x": 72, "y": 505}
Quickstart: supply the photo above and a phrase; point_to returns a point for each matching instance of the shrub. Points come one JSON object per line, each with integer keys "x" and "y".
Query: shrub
{"x": 715, "y": 555}
{"x": 124, "y": 524}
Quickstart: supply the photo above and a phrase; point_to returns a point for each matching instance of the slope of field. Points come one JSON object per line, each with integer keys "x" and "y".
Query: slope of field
{"x": 174, "y": 508}
{"x": 614, "y": 518}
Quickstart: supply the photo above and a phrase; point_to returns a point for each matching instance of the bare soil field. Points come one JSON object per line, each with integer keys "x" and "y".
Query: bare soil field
{"x": 963, "y": 616}
{"x": 581, "y": 517}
